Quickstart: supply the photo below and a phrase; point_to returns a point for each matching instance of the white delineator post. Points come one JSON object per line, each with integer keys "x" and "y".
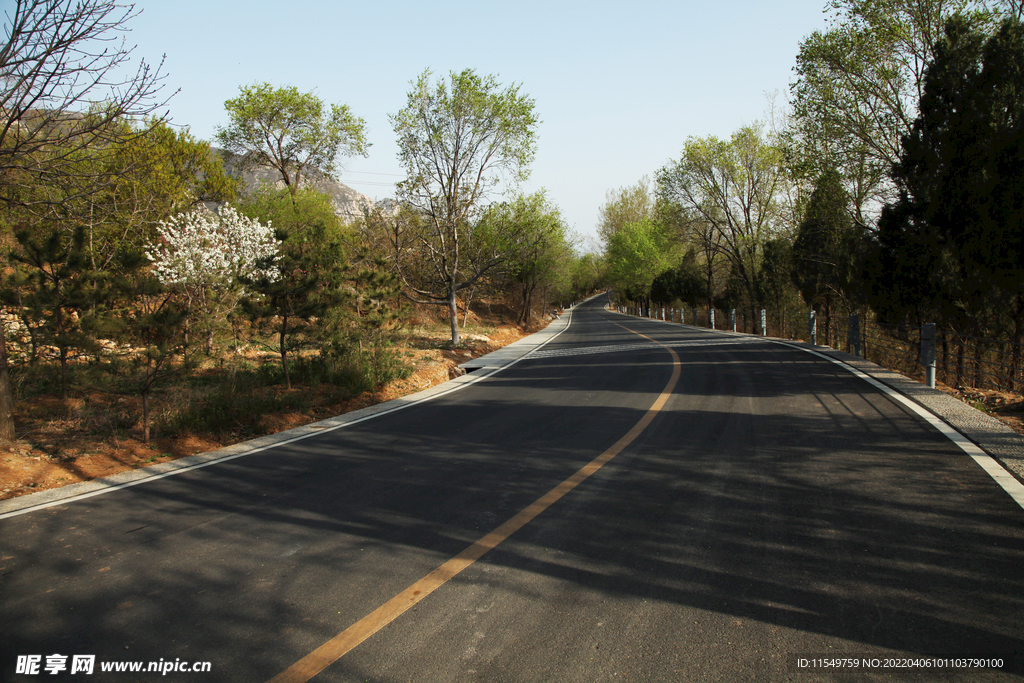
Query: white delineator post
{"x": 928, "y": 352}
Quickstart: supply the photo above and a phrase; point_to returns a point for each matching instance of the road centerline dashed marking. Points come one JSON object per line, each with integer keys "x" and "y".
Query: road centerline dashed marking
{"x": 343, "y": 643}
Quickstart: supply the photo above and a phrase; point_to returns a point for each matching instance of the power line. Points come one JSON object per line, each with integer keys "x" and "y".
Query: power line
{"x": 366, "y": 182}
{"x": 395, "y": 175}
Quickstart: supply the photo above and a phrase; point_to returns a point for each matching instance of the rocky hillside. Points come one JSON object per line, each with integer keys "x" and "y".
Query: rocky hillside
{"x": 348, "y": 204}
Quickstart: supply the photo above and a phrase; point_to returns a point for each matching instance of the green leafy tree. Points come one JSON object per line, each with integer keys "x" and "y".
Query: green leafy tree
{"x": 320, "y": 294}
{"x": 827, "y": 249}
{"x": 457, "y": 141}
{"x": 684, "y": 283}
{"x": 152, "y": 172}
{"x": 291, "y": 132}
{"x": 636, "y": 255}
{"x": 628, "y": 204}
{"x": 533, "y": 235}
{"x": 66, "y": 89}
{"x": 369, "y": 330}
{"x": 307, "y": 216}
{"x": 737, "y": 191}
{"x": 588, "y": 274}
{"x": 857, "y": 88}
{"x": 952, "y": 245}
{"x": 777, "y": 290}
{"x": 290, "y": 303}
{"x": 159, "y": 172}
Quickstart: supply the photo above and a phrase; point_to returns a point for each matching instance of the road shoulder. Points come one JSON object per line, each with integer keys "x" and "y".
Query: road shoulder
{"x": 481, "y": 368}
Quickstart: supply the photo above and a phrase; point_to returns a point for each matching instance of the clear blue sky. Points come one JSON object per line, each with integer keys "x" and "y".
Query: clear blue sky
{"x": 619, "y": 86}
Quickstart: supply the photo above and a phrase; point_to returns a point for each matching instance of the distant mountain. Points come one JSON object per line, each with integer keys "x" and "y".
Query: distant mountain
{"x": 348, "y": 204}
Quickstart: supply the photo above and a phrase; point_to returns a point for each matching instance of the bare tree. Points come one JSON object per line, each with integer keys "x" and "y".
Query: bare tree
{"x": 66, "y": 83}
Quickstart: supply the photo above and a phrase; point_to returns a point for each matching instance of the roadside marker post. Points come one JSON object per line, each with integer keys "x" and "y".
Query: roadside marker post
{"x": 928, "y": 352}
{"x": 853, "y": 334}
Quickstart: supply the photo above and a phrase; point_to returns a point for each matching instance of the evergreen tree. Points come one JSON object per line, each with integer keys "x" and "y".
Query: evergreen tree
{"x": 826, "y": 249}
{"x": 308, "y": 288}
{"x": 684, "y": 283}
{"x": 57, "y": 293}
{"x": 951, "y": 246}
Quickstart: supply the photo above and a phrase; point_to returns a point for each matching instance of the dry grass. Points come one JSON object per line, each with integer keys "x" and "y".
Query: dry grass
{"x": 96, "y": 434}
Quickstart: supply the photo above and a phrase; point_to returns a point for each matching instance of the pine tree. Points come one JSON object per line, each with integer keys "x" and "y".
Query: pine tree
{"x": 951, "y": 247}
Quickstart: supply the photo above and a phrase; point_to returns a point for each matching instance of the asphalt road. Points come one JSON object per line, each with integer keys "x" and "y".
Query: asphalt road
{"x": 770, "y": 507}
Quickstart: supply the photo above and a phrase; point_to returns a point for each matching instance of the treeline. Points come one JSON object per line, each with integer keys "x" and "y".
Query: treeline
{"x": 132, "y": 256}
{"x": 892, "y": 186}
{"x": 138, "y": 283}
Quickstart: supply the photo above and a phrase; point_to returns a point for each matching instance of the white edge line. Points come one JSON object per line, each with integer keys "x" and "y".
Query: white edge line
{"x": 992, "y": 467}
{"x": 407, "y": 404}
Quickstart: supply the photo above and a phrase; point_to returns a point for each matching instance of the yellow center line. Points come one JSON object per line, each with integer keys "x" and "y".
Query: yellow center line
{"x": 341, "y": 644}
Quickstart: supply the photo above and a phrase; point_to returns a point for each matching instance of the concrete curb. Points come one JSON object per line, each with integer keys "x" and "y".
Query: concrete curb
{"x": 477, "y": 370}
{"x": 986, "y": 432}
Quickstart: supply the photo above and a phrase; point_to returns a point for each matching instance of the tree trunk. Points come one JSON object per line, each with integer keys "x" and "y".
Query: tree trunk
{"x": 945, "y": 357}
{"x": 6, "y": 397}
{"x": 185, "y": 326}
{"x": 145, "y": 416}
{"x": 453, "y": 314}
{"x": 959, "y": 363}
{"x": 64, "y": 376}
{"x": 184, "y": 346}
{"x": 63, "y": 354}
{"x": 828, "y": 320}
{"x": 23, "y": 316}
{"x": 979, "y": 378}
{"x": 33, "y": 341}
{"x": 284, "y": 352}
{"x": 469, "y": 299}
{"x": 527, "y": 303}
{"x": 522, "y": 319}
{"x": 1018, "y": 332}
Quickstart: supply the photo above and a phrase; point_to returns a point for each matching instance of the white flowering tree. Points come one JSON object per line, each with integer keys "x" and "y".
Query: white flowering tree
{"x": 207, "y": 255}
{"x": 214, "y": 249}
